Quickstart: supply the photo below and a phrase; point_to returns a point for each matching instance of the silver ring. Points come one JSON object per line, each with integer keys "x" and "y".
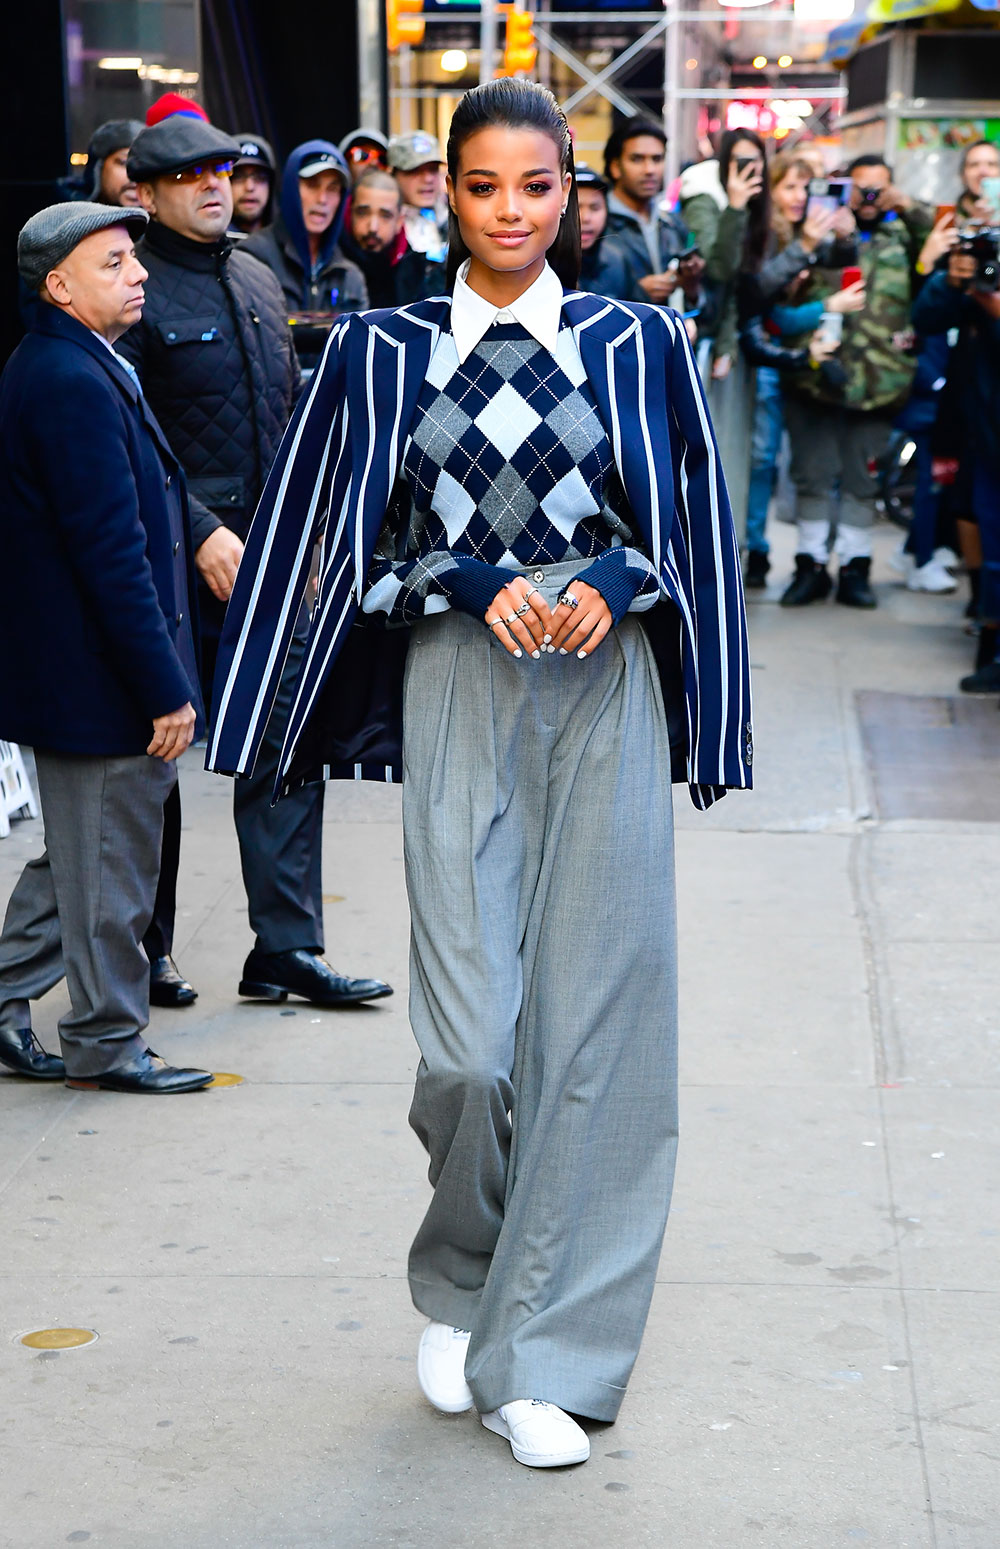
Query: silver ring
{"x": 523, "y": 609}
{"x": 531, "y": 593}
{"x": 570, "y": 600}
{"x": 492, "y": 623}
{"x": 511, "y": 620}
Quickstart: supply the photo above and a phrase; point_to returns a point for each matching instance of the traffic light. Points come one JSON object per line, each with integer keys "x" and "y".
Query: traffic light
{"x": 404, "y": 22}
{"x": 520, "y": 48}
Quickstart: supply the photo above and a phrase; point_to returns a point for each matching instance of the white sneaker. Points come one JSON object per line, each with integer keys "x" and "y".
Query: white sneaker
{"x": 948, "y": 558}
{"x": 931, "y": 577}
{"x": 441, "y": 1367}
{"x": 540, "y": 1435}
{"x": 901, "y": 561}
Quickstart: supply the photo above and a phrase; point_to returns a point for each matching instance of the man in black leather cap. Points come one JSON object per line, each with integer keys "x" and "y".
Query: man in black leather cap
{"x": 215, "y": 356}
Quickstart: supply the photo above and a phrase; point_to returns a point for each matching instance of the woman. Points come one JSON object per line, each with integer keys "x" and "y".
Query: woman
{"x": 726, "y": 206}
{"x": 517, "y": 475}
{"x": 792, "y": 244}
{"x": 604, "y": 266}
{"x": 979, "y": 161}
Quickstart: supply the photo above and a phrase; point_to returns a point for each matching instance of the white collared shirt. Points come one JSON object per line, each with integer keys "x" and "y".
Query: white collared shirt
{"x": 538, "y": 310}
{"x": 125, "y": 364}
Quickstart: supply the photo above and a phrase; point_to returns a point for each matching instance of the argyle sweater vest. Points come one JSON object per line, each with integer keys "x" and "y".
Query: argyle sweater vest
{"x": 507, "y": 466}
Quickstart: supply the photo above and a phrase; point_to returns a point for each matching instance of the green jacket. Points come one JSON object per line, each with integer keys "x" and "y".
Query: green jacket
{"x": 719, "y": 234}
{"x": 877, "y": 354}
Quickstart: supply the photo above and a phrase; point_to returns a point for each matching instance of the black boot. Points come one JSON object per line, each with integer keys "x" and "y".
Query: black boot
{"x": 985, "y": 680}
{"x": 758, "y": 565}
{"x": 852, "y": 585}
{"x": 810, "y": 583}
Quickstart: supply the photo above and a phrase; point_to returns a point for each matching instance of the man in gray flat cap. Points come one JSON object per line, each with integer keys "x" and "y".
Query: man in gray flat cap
{"x": 215, "y": 357}
{"x": 95, "y": 575}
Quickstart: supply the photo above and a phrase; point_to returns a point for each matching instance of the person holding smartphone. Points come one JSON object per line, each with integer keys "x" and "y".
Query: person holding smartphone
{"x": 726, "y": 204}
{"x": 839, "y": 423}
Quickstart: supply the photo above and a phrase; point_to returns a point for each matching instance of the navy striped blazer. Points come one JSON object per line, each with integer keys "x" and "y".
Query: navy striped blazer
{"x": 334, "y": 475}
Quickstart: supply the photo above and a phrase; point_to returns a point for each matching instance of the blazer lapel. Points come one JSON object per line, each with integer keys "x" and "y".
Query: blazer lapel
{"x": 630, "y": 391}
{"x": 386, "y": 367}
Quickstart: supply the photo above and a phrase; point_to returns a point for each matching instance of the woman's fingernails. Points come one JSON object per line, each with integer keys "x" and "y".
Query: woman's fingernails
{"x": 517, "y": 653}
{"x": 546, "y": 639}
{"x": 582, "y": 655}
{"x": 536, "y": 656}
{"x": 563, "y": 651}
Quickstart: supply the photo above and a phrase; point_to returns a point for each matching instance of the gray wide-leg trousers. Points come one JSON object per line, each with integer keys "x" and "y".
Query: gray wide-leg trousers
{"x": 539, "y": 860}
{"x": 81, "y": 908}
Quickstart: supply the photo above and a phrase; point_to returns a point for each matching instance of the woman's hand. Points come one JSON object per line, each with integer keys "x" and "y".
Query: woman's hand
{"x": 850, "y": 299}
{"x": 815, "y": 229}
{"x": 742, "y": 184}
{"x": 940, "y": 241}
{"x": 821, "y": 347}
{"x": 721, "y": 367}
{"x": 843, "y": 224}
{"x": 516, "y": 630}
{"x": 580, "y": 629}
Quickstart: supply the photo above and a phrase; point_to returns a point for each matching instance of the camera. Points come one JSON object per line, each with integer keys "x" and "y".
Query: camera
{"x": 983, "y": 244}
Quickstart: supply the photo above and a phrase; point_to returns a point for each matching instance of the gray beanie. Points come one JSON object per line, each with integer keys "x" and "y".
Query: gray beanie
{"x": 48, "y": 237}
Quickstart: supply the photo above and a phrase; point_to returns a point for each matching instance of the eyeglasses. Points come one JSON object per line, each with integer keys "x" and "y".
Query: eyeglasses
{"x": 195, "y": 174}
{"x": 362, "y": 153}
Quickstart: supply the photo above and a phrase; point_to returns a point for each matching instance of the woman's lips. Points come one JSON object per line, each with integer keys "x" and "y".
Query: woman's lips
{"x": 509, "y": 238}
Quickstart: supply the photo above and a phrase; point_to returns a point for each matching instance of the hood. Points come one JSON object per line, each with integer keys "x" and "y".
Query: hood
{"x": 290, "y": 204}
{"x": 703, "y": 178}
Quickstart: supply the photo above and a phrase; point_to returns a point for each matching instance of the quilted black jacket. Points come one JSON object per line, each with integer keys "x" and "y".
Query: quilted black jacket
{"x": 215, "y": 357}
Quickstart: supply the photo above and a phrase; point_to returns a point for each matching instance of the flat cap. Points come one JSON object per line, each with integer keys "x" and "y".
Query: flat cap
{"x": 409, "y": 151}
{"x": 52, "y": 234}
{"x": 175, "y": 143}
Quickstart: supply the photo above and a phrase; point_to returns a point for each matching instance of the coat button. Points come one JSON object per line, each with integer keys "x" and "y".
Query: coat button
{"x": 177, "y": 548}
{"x": 180, "y": 618}
{"x": 539, "y": 575}
{"x": 170, "y": 480}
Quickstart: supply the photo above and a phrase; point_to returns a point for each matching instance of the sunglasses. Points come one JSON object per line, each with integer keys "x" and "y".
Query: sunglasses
{"x": 362, "y": 153}
{"x": 195, "y": 174}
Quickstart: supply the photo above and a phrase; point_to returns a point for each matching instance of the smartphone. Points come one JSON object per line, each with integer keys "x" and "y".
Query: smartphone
{"x": 991, "y": 193}
{"x": 828, "y": 193}
{"x": 850, "y": 275}
{"x": 943, "y": 210}
{"x": 742, "y": 162}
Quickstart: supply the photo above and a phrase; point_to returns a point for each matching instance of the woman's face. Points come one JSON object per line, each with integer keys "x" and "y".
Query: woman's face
{"x": 791, "y": 195}
{"x": 982, "y": 161}
{"x": 508, "y": 196}
{"x": 593, "y": 216}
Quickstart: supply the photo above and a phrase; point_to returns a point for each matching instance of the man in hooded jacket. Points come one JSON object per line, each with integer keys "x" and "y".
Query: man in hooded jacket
{"x": 302, "y": 245}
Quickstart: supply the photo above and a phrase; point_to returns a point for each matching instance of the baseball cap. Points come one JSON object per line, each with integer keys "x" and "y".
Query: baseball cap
{"x": 408, "y": 151}
{"x": 321, "y": 162}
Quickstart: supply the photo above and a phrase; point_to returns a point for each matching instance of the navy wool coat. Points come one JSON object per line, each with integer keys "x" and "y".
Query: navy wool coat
{"x": 94, "y": 562}
{"x": 334, "y": 475}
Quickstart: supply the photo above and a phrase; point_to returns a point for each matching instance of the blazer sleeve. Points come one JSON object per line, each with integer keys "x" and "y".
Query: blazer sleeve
{"x": 94, "y": 498}
{"x": 717, "y": 659}
{"x": 306, "y": 489}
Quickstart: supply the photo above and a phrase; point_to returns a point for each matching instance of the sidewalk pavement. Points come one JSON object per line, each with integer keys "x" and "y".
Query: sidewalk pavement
{"x": 821, "y": 1362}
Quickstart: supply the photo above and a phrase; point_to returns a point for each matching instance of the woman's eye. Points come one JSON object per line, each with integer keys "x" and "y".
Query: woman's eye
{"x": 538, "y": 188}
{"x": 481, "y": 188}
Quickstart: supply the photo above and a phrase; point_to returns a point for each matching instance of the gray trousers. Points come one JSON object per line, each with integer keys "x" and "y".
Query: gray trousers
{"x": 831, "y": 447}
{"x": 80, "y": 910}
{"x": 539, "y": 860}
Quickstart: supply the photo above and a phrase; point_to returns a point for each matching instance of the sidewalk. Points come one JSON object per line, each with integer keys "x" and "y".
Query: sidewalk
{"x": 821, "y": 1363}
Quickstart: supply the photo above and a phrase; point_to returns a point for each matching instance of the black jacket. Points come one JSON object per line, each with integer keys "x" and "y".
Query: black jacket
{"x": 96, "y": 569}
{"x": 972, "y": 394}
{"x": 605, "y": 270}
{"x": 395, "y": 282}
{"x": 214, "y": 354}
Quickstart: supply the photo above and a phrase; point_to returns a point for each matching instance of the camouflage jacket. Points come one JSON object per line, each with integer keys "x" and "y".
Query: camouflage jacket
{"x": 877, "y": 353}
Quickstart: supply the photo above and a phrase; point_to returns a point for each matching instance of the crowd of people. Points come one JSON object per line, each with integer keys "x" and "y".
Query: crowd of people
{"x": 827, "y": 332}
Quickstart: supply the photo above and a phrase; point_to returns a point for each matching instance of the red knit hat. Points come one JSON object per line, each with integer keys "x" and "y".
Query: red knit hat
{"x": 172, "y": 102}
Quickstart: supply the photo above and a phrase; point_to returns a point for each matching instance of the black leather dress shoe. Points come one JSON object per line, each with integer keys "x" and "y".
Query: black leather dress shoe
{"x": 167, "y": 985}
{"x": 146, "y": 1073}
{"x": 21, "y": 1051}
{"x": 276, "y": 975}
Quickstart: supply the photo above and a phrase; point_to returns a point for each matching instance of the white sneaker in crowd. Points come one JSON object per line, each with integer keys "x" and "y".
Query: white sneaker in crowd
{"x": 540, "y": 1435}
{"x": 901, "y": 562}
{"x": 441, "y": 1367}
{"x": 931, "y": 577}
{"x": 948, "y": 558}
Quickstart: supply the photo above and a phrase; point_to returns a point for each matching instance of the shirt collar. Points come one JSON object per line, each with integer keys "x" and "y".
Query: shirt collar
{"x": 619, "y": 207}
{"x": 538, "y": 310}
